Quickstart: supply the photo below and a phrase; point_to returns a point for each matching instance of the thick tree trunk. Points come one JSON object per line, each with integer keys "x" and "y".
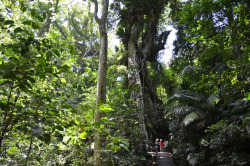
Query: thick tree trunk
{"x": 101, "y": 82}
{"x": 145, "y": 45}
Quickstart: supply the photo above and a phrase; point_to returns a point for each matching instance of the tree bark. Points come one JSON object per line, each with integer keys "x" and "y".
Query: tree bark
{"x": 145, "y": 45}
{"x": 101, "y": 81}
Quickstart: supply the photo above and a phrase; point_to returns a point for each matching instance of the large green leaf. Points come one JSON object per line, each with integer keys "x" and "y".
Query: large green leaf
{"x": 39, "y": 18}
{"x": 35, "y": 25}
{"x": 8, "y": 22}
{"x": 83, "y": 135}
{"x": 28, "y": 22}
{"x": 41, "y": 61}
{"x": 60, "y": 128}
{"x": 72, "y": 49}
{"x": 18, "y": 29}
{"x": 46, "y": 138}
{"x": 33, "y": 12}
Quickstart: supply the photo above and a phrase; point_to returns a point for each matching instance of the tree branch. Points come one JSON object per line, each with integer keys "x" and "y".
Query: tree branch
{"x": 96, "y": 11}
{"x": 61, "y": 30}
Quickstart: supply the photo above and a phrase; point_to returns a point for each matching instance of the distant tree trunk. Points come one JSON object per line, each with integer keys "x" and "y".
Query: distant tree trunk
{"x": 101, "y": 82}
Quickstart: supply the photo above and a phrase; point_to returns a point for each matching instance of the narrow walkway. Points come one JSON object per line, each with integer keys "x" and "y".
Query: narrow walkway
{"x": 163, "y": 158}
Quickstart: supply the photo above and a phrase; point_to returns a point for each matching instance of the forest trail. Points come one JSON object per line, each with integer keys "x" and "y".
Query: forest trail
{"x": 163, "y": 158}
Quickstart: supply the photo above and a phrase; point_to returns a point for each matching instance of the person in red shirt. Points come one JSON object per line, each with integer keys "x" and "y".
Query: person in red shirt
{"x": 161, "y": 145}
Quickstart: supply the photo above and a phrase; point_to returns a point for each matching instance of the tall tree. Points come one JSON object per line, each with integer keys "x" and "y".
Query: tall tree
{"x": 139, "y": 32}
{"x": 102, "y": 69}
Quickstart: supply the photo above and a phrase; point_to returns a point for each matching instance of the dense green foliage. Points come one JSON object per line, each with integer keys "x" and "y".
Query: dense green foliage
{"x": 48, "y": 75}
{"x": 212, "y": 104}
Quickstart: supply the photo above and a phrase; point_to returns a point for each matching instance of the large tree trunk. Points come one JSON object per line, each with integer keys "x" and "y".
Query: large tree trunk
{"x": 145, "y": 45}
{"x": 101, "y": 82}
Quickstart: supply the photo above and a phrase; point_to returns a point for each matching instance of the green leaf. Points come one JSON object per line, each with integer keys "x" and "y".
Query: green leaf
{"x": 32, "y": 80}
{"x": 63, "y": 68}
{"x": 35, "y": 25}
{"x": 6, "y": 53}
{"x": 29, "y": 41}
{"x": 67, "y": 106}
{"x": 46, "y": 138}
{"x": 28, "y": 85}
{"x": 78, "y": 120}
{"x": 54, "y": 79}
{"x": 8, "y": 22}
{"x": 104, "y": 120}
{"x": 39, "y": 18}
{"x": 68, "y": 140}
{"x": 41, "y": 61}
{"x": 72, "y": 49}
{"x": 28, "y": 22}
{"x": 63, "y": 80}
{"x": 18, "y": 29}
{"x": 13, "y": 150}
{"x": 33, "y": 12}
{"x": 1, "y": 19}
{"x": 58, "y": 53}
{"x": 105, "y": 109}
{"x": 23, "y": 8}
{"x": 60, "y": 128}
{"x": 83, "y": 135}
{"x": 44, "y": 15}
{"x": 59, "y": 137}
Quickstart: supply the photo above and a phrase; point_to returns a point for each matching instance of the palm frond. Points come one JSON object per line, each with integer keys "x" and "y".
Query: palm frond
{"x": 186, "y": 97}
{"x": 184, "y": 110}
{"x": 211, "y": 101}
{"x": 193, "y": 116}
{"x": 188, "y": 70}
{"x": 192, "y": 159}
{"x": 220, "y": 67}
{"x": 241, "y": 105}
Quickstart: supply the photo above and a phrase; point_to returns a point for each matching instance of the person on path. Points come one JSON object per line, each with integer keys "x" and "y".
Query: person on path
{"x": 165, "y": 145}
{"x": 156, "y": 145}
{"x": 147, "y": 147}
{"x": 161, "y": 145}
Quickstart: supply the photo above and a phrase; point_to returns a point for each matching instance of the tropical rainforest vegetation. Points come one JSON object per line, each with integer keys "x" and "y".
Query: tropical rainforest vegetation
{"x": 72, "y": 95}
